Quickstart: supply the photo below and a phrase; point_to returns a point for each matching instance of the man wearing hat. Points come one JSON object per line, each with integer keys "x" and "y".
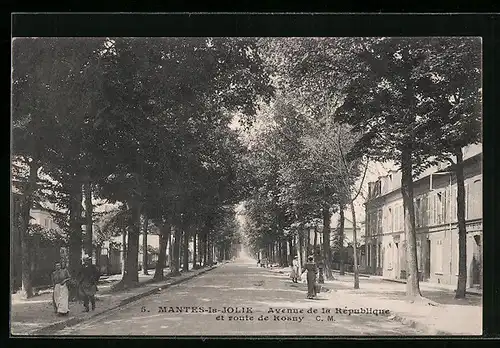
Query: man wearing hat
{"x": 87, "y": 282}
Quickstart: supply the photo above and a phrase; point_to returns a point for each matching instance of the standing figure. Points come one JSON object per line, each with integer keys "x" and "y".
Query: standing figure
{"x": 60, "y": 294}
{"x": 295, "y": 270}
{"x": 312, "y": 270}
{"x": 87, "y": 283}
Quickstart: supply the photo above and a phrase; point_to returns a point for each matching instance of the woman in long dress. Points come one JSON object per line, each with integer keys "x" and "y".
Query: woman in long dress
{"x": 295, "y": 270}
{"x": 60, "y": 295}
{"x": 312, "y": 271}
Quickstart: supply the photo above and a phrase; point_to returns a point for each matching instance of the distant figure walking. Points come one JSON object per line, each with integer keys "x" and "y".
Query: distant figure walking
{"x": 312, "y": 271}
{"x": 295, "y": 270}
{"x": 87, "y": 283}
{"x": 60, "y": 294}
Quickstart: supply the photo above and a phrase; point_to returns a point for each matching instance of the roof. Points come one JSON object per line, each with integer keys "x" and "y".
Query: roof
{"x": 424, "y": 176}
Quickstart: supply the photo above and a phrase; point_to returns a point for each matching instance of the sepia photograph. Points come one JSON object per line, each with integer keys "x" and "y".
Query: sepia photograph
{"x": 246, "y": 186}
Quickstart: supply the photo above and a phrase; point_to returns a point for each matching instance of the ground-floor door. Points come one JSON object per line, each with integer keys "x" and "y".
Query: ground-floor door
{"x": 397, "y": 268}
{"x": 427, "y": 266}
{"x": 476, "y": 263}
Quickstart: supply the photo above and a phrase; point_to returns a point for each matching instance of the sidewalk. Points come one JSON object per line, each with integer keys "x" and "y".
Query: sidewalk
{"x": 35, "y": 316}
{"x": 469, "y": 291}
{"x": 449, "y": 317}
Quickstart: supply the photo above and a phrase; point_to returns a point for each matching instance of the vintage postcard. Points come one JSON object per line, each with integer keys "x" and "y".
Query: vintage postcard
{"x": 246, "y": 186}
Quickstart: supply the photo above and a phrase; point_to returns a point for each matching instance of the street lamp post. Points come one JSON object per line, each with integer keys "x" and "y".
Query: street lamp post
{"x": 449, "y": 217}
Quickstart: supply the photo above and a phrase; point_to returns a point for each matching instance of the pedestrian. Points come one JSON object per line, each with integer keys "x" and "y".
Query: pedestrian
{"x": 295, "y": 270}
{"x": 87, "y": 283}
{"x": 60, "y": 293}
{"x": 312, "y": 271}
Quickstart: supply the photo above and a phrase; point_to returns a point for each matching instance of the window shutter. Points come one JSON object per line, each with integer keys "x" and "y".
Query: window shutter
{"x": 479, "y": 198}
{"x": 402, "y": 217}
{"x": 466, "y": 201}
{"x": 454, "y": 204}
{"x": 385, "y": 226}
{"x": 434, "y": 210}
{"x": 444, "y": 206}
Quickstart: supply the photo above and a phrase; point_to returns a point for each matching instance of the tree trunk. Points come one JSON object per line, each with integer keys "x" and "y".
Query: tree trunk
{"x": 87, "y": 187}
{"x": 301, "y": 248}
{"x": 176, "y": 250}
{"x": 194, "y": 249}
{"x": 279, "y": 253}
{"x": 26, "y": 287}
{"x": 27, "y": 203}
{"x": 163, "y": 238}
{"x": 291, "y": 253}
{"x": 273, "y": 252}
{"x": 171, "y": 249}
{"x": 123, "y": 253}
{"x": 308, "y": 245}
{"x": 284, "y": 253}
{"x": 75, "y": 227}
{"x": 315, "y": 240}
{"x": 145, "y": 246}
{"x": 210, "y": 250}
{"x": 185, "y": 262}
{"x": 462, "y": 232}
{"x": 132, "y": 275}
{"x": 412, "y": 283}
{"x": 327, "y": 251}
{"x": 355, "y": 247}
{"x": 341, "y": 241}
{"x": 205, "y": 247}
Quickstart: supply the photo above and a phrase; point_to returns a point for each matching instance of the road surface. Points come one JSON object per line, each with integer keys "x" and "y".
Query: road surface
{"x": 237, "y": 299}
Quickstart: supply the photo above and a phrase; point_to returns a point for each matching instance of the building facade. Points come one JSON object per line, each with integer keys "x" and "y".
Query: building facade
{"x": 435, "y": 203}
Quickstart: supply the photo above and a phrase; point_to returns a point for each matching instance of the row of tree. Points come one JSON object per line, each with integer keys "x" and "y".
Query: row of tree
{"x": 344, "y": 101}
{"x": 143, "y": 122}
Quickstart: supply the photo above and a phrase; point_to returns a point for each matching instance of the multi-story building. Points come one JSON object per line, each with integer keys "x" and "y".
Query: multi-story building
{"x": 435, "y": 203}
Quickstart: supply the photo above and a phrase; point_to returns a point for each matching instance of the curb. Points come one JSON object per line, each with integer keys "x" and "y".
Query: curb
{"x": 351, "y": 274}
{"x": 437, "y": 288}
{"x": 50, "y": 329}
{"x": 419, "y": 326}
{"x": 404, "y": 320}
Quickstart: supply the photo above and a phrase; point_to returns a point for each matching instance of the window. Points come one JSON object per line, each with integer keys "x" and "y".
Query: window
{"x": 396, "y": 219}
{"x": 390, "y": 222}
{"x": 401, "y": 218}
{"x": 46, "y": 223}
{"x": 439, "y": 205}
{"x": 368, "y": 230}
{"x": 379, "y": 221}
{"x": 379, "y": 254}
{"x": 429, "y": 210}
{"x": 433, "y": 209}
{"x": 390, "y": 256}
